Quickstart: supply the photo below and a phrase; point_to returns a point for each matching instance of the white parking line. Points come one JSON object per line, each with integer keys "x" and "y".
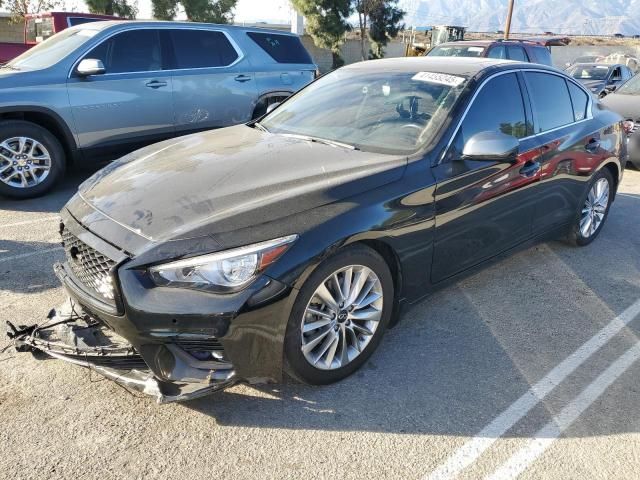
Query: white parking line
{"x": 524, "y": 457}
{"x": 471, "y": 451}
{"x": 29, "y": 254}
{"x": 29, "y": 222}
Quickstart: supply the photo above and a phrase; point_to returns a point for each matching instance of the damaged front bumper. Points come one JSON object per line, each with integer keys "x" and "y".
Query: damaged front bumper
{"x": 72, "y": 335}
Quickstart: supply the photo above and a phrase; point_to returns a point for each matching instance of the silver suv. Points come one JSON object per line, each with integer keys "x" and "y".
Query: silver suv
{"x": 99, "y": 90}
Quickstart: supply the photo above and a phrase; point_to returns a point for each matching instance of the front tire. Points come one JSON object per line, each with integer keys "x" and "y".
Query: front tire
{"x": 339, "y": 317}
{"x": 31, "y": 159}
{"x": 594, "y": 209}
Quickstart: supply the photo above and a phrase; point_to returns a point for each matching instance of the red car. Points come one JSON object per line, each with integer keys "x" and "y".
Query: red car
{"x": 530, "y": 50}
{"x": 40, "y": 26}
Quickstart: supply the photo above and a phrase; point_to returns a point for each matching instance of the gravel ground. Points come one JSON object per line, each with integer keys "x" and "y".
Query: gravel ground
{"x": 453, "y": 365}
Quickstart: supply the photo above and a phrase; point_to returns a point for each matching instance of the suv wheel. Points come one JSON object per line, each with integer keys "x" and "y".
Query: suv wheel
{"x": 31, "y": 159}
{"x": 339, "y": 317}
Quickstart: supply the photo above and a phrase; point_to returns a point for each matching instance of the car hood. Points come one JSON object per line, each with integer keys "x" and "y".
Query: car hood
{"x": 231, "y": 178}
{"x": 627, "y": 106}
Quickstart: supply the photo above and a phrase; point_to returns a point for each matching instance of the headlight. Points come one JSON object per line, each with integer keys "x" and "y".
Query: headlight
{"x": 226, "y": 271}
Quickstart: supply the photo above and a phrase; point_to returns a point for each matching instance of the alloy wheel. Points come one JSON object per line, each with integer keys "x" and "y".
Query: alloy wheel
{"x": 24, "y": 162}
{"x": 594, "y": 208}
{"x": 341, "y": 317}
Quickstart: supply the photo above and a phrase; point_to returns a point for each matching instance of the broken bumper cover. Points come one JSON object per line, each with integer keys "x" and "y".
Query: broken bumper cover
{"x": 72, "y": 335}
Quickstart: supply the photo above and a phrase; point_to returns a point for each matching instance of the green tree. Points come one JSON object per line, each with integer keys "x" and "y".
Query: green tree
{"x": 385, "y": 24}
{"x": 326, "y": 23}
{"x": 384, "y": 19}
{"x": 20, "y": 8}
{"x": 210, "y": 11}
{"x": 119, "y": 8}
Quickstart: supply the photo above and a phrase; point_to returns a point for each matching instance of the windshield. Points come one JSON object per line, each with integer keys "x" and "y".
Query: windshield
{"x": 52, "y": 50}
{"x": 631, "y": 87}
{"x": 582, "y": 72}
{"x": 456, "y": 51}
{"x": 387, "y": 112}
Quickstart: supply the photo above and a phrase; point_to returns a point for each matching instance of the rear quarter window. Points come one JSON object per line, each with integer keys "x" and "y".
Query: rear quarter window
{"x": 542, "y": 55}
{"x": 282, "y": 48}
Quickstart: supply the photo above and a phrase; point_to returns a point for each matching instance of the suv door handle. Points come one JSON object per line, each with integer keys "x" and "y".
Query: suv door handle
{"x": 156, "y": 84}
{"x": 530, "y": 169}
{"x": 592, "y": 145}
{"x": 242, "y": 78}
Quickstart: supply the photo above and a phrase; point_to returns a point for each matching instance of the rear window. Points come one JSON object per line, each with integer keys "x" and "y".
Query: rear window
{"x": 73, "y": 21}
{"x": 282, "y": 48}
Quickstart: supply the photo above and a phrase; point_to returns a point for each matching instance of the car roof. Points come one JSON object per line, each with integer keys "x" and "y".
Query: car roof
{"x": 166, "y": 24}
{"x": 463, "y": 66}
{"x": 596, "y": 64}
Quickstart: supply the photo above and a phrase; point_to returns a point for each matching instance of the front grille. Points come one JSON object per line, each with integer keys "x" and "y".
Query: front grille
{"x": 89, "y": 266}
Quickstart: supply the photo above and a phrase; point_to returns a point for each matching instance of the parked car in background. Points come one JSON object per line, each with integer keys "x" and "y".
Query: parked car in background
{"x": 600, "y": 78}
{"x": 289, "y": 245}
{"x": 40, "y": 26}
{"x": 533, "y": 50}
{"x": 618, "y": 35}
{"x": 100, "y": 90}
{"x": 626, "y": 102}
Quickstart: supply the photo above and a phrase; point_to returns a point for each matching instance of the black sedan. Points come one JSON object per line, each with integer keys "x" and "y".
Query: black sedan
{"x": 626, "y": 102}
{"x": 286, "y": 247}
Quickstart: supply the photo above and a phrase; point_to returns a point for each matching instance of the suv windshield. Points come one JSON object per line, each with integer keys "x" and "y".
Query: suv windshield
{"x": 387, "y": 112}
{"x": 456, "y": 51}
{"x": 52, "y": 50}
{"x": 583, "y": 72}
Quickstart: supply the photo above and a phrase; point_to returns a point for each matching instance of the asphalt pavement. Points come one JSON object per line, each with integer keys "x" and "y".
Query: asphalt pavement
{"x": 529, "y": 368}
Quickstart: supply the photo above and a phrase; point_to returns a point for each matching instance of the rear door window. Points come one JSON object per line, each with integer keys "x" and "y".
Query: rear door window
{"x": 131, "y": 51}
{"x": 201, "y": 49}
{"x": 497, "y": 52}
{"x": 551, "y": 101}
{"x": 517, "y": 53}
{"x": 282, "y": 48}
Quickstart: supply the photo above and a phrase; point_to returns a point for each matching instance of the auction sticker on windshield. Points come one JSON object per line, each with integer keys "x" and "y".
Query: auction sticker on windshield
{"x": 441, "y": 78}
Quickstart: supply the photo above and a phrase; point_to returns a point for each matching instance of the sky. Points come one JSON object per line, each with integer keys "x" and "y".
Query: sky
{"x": 271, "y": 11}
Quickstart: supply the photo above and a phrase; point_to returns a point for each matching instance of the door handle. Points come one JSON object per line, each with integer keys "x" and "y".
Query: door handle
{"x": 530, "y": 169}
{"x": 242, "y": 78}
{"x": 156, "y": 84}
{"x": 592, "y": 145}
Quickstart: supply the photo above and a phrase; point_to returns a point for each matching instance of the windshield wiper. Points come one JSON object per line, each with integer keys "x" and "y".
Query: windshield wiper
{"x": 10, "y": 67}
{"x": 325, "y": 141}
{"x": 260, "y": 127}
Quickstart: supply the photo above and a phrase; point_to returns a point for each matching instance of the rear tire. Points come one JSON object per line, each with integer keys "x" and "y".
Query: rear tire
{"x": 338, "y": 341}
{"x": 32, "y": 160}
{"x": 593, "y": 210}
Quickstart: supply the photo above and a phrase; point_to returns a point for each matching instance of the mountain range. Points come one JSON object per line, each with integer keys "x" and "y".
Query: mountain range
{"x": 590, "y": 17}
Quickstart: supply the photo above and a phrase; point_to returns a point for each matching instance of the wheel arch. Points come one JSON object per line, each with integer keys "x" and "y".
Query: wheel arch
{"x": 615, "y": 170}
{"x": 47, "y": 119}
{"x": 263, "y": 101}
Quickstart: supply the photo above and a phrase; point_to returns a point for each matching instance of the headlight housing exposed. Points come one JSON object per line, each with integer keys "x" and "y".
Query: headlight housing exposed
{"x": 227, "y": 271}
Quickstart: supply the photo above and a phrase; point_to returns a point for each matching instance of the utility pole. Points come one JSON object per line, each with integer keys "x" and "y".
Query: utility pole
{"x": 507, "y": 27}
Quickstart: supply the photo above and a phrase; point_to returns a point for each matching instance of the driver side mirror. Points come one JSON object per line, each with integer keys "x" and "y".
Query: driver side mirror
{"x": 491, "y": 146}
{"x": 90, "y": 66}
